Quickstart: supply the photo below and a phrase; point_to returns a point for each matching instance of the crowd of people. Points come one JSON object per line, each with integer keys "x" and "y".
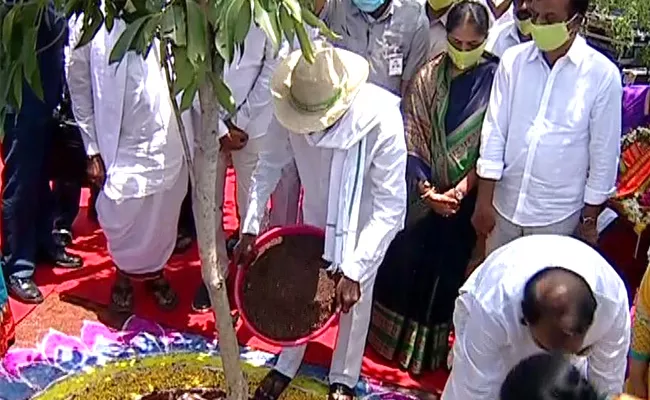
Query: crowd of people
{"x": 456, "y": 153}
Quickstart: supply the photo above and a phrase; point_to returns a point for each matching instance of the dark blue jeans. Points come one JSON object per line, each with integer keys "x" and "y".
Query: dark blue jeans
{"x": 26, "y": 195}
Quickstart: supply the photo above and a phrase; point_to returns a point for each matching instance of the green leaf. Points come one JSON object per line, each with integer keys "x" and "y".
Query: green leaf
{"x": 188, "y": 95}
{"x": 243, "y": 22}
{"x": 92, "y": 21}
{"x": 312, "y": 20}
{"x": 223, "y": 93}
{"x": 31, "y": 68}
{"x": 72, "y": 7}
{"x": 173, "y": 25}
{"x": 17, "y": 87}
{"x": 267, "y": 23}
{"x": 294, "y": 8}
{"x": 305, "y": 43}
{"x": 196, "y": 33}
{"x": 287, "y": 24}
{"x": 109, "y": 18}
{"x": 126, "y": 39}
{"x": 184, "y": 71}
{"x": 8, "y": 28}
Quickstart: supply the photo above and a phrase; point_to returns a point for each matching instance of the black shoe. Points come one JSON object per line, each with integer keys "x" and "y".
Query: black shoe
{"x": 63, "y": 259}
{"x": 201, "y": 303}
{"x": 25, "y": 290}
{"x": 62, "y": 237}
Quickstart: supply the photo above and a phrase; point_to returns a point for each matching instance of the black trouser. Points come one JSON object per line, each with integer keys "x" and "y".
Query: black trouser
{"x": 68, "y": 174}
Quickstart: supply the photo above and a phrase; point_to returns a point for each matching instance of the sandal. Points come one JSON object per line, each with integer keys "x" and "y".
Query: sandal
{"x": 164, "y": 294}
{"x": 338, "y": 391}
{"x": 183, "y": 243}
{"x": 122, "y": 295}
{"x": 272, "y": 386}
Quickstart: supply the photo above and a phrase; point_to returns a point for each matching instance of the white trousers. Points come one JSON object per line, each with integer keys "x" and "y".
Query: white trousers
{"x": 141, "y": 232}
{"x": 350, "y": 343}
{"x": 285, "y": 199}
{"x": 505, "y": 231}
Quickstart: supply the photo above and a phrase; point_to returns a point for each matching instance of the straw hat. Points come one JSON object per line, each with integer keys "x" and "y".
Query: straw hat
{"x": 312, "y": 97}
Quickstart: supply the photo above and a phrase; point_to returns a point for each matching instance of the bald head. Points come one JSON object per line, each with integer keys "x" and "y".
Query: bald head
{"x": 561, "y": 298}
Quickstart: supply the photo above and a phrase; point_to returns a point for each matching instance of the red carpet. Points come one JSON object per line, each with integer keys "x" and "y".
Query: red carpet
{"x": 93, "y": 283}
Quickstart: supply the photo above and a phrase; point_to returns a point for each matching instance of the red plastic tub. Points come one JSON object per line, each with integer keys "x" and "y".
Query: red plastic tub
{"x": 262, "y": 241}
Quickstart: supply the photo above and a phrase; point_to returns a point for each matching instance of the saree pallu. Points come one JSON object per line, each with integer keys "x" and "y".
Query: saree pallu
{"x": 418, "y": 281}
{"x": 6, "y": 319}
{"x": 640, "y": 347}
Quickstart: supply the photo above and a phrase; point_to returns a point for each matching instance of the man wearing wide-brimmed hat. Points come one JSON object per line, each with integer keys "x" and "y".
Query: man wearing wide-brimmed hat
{"x": 347, "y": 139}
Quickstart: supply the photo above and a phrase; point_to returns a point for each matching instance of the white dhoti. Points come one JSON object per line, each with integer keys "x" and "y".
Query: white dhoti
{"x": 141, "y": 232}
{"x": 350, "y": 342}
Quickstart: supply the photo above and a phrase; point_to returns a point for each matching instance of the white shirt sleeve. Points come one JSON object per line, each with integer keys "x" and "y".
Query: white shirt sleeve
{"x": 478, "y": 370}
{"x": 495, "y": 128}
{"x": 388, "y": 195}
{"x": 607, "y": 359}
{"x": 255, "y": 114}
{"x": 79, "y": 79}
{"x": 274, "y": 156}
{"x": 604, "y": 144}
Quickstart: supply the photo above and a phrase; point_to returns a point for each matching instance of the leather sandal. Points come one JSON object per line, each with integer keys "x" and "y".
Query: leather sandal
{"x": 122, "y": 295}
{"x": 272, "y": 386}
{"x": 338, "y": 391}
{"x": 163, "y": 293}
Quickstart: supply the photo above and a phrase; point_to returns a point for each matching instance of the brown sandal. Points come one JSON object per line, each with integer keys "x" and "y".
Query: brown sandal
{"x": 163, "y": 293}
{"x": 122, "y": 295}
{"x": 339, "y": 391}
{"x": 272, "y": 386}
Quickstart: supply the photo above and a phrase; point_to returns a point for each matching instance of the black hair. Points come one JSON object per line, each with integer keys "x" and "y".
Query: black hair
{"x": 582, "y": 314}
{"x": 468, "y": 10}
{"x": 579, "y": 6}
{"x": 546, "y": 377}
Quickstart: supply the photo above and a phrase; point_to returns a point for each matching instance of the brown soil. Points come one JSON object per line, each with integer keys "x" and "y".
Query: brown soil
{"x": 287, "y": 292}
{"x": 187, "y": 394}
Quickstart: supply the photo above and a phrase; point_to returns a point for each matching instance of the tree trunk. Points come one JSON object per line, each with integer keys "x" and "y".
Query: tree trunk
{"x": 206, "y": 157}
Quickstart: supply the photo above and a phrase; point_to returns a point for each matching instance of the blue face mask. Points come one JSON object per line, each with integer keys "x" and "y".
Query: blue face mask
{"x": 368, "y": 6}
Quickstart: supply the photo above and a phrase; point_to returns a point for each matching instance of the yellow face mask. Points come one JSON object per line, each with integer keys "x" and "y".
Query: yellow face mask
{"x": 465, "y": 59}
{"x": 525, "y": 26}
{"x": 437, "y": 5}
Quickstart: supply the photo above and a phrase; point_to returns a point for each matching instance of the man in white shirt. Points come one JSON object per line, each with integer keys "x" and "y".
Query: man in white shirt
{"x": 513, "y": 32}
{"x": 135, "y": 154}
{"x": 347, "y": 139}
{"x": 550, "y": 141}
{"x": 241, "y": 134}
{"x": 539, "y": 293}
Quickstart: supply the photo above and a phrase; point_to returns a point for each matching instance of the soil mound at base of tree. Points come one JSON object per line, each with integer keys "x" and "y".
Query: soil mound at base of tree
{"x": 187, "y": 394}
{"x": 287, "y": 293}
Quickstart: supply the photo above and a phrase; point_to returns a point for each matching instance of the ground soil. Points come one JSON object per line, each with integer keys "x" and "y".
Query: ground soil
{"x": 185, "y": 394}
{"x": 287, "y": 292}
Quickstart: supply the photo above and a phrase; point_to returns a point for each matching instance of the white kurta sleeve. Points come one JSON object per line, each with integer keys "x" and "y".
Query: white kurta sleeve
{"x": 79, "y": 79}
{"x": 388, "y": 196}
{"x": 274, "y": 156}
{"x": 478, "y": 370}
{"x": 256, "y": 112}
{"x": 604, "y": 141}
{"x": 495, "y": 128}
{"x": 607, "y": 358}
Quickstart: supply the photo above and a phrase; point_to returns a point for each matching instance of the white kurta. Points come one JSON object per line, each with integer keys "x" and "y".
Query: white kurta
{"x": 381, "y": 216}
{"x": 490, "y": 338}
{"x": 125, "y": 115}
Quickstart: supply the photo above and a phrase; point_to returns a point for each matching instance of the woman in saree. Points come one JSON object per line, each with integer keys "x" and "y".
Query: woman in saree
{"x": 6, "y": 320}
{"x": 426, "y": 264}
{"x": 639, "y": 359}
